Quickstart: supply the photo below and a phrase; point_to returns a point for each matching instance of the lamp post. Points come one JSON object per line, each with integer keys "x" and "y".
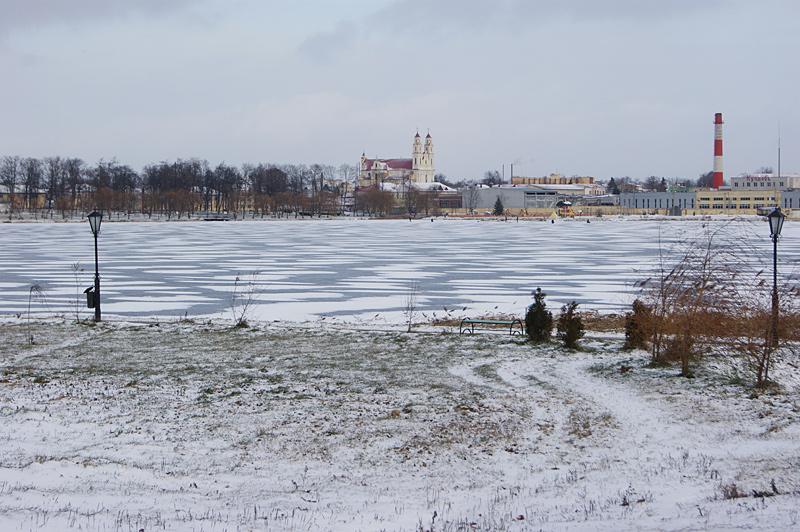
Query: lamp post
{"x": 775, "y": 218}
{"x": 95, "y": 219}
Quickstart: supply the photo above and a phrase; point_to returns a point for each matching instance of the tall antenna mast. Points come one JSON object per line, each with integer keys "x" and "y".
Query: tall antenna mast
{"x": 779, "y": 152}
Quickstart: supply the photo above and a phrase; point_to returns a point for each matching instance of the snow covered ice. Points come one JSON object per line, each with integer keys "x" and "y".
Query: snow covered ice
{"x": 345, "y": 269}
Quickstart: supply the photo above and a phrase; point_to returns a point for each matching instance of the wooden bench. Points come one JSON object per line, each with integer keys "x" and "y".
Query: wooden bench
{"x": 468, "y": 325}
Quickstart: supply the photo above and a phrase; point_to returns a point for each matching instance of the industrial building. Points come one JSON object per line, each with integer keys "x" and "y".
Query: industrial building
{"x": 706, "y": 201}
{"x": 531, "y": 199}
{"x": 765, "y": 181}
{"x": 587, "y": 184}
{"x": 657, "y": 202}
{"x": 790, "y": 201}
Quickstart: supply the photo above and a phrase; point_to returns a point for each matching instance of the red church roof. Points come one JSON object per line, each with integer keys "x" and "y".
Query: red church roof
{"x": 393, "y": 164}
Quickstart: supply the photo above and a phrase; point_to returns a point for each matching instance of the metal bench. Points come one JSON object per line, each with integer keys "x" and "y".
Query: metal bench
{"x": 468, "y": 325}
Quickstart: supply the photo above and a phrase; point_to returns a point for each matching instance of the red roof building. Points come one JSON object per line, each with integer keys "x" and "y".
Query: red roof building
{"x": 416, "y": 169}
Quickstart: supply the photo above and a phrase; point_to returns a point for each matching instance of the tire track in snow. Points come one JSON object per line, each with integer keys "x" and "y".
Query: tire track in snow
{"x": 644, "y": 423}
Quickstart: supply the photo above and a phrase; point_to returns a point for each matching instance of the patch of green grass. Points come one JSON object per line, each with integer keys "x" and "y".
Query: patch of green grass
{"x": 274, "y": 378}
{"x": 488, "y": 372}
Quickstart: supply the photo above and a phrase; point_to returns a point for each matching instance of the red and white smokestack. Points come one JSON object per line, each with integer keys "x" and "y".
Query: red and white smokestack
{"x": 718, "y": 177}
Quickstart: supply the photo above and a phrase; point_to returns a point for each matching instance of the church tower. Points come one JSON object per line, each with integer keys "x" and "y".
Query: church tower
{"x": 422, "y": 160}
{"x": 416, "y": 156}
{"x": 427, "y": 160}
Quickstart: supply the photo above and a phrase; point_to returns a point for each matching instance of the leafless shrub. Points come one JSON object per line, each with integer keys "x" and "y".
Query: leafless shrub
{"x": 711, "y": 290}
{"x": 753, "y": 337}
{"x": 35, "y": 291}
{"x": 245, "y": 294}
{"x": 685, "y": 293}
{"x": 579, "y": 424}
{"x": 730, "y": 491}
{"x": 77, "y": 268}
{"x": 410, "y": 308}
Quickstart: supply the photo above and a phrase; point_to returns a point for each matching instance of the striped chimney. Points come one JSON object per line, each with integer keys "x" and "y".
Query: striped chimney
{"x": 718, "y": 177}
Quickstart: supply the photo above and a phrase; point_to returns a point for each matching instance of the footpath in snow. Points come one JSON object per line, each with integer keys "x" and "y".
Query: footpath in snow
{"x": 194, "y": 426}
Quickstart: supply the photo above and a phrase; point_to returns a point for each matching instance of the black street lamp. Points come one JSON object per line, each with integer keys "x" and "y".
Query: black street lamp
{"x": 775, "y": 218}
{"x": 95, "y": 219}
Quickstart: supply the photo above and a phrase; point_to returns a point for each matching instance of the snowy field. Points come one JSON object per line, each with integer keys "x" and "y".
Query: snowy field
{"x": 207, "y": 428}
{"x": 343, "y": 270}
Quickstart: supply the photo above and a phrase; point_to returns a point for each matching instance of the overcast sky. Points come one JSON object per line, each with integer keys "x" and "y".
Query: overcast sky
{"x": 597, "y": 87}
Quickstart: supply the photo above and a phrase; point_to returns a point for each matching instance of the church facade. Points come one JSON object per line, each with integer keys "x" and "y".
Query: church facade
{"x": 418, "y": 169}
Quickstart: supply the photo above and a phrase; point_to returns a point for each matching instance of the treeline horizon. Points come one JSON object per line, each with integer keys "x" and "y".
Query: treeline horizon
{"x": 180, "y": 186}
{"x": 189, "y": 186}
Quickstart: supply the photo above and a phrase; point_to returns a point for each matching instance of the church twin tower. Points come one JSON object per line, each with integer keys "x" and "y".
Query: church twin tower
{"x": 422, "y": 160}
{"x": 418, "y": 169}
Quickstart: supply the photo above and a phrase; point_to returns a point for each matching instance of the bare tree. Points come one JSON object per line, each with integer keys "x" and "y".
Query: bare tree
{"x": 753, "y": 338}
{"x": 410, "y": 308}
{"x": 35, "y": 291}
{"x": 245, "y": 294}
{"x": 32, "y": 179}
{"x": 55, "y": 180}
{"x": 348, "y": 173}
{"x": 10, "y": 171}
{"x": 491, "y": 178}
{"x": 77, "y": 268}
{"x": 687, "y": 293}
{"x": 709, "y": 291}
{"x": 471, "y": 196}
{"x": 656, "y": 184}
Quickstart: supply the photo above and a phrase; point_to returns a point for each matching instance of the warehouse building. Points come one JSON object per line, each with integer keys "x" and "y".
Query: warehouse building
{"x": 675, "y": 203}
{"x": 766, "y": 181}
{"x": 533, "y": 200}
{"x": 707, "y": 201}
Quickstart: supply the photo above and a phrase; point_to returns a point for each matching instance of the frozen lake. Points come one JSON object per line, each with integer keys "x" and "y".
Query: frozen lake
{"x": 343, "y": 269}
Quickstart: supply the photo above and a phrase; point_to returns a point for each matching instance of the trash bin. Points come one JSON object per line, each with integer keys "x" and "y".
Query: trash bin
{"x": 89, "y": 297}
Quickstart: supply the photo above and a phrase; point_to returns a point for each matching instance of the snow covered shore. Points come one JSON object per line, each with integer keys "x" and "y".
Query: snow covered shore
{"x": 194, "y": 426}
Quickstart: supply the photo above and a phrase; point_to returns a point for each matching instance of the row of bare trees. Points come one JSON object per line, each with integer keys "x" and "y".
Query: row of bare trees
{"x": 712, "y": 292}
{"x": 180, "y": 187}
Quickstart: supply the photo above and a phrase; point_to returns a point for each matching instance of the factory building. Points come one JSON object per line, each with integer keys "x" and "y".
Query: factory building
{"x": 790, "y": 201}
{"x": 664, "y": 202}
{"x": 708, "y": 201}
{"x": 533, "y": 200}
{"x": 587, "y": 184}
{"x": 765, "y": 181}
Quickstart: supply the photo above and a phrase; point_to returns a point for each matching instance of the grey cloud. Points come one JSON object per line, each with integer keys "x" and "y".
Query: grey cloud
{"x": 612, "y": 9}
{"x": 21, "y": 14}
{"x": 323, "y": 46}
{"x": 412, "y": 19}
{"x": 399, "y": 20}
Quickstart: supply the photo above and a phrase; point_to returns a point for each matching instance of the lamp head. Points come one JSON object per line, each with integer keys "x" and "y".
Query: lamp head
{"x": 775, "y": 218}
{"x": 95, "y": 219}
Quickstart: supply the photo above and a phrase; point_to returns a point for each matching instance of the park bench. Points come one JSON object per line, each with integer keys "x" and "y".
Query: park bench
{"x": 468, "y": 325}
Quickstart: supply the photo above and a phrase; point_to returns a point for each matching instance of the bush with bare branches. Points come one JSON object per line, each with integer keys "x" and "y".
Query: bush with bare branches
{"x": 245, "y": 294}
{"x": 709, "y": 291}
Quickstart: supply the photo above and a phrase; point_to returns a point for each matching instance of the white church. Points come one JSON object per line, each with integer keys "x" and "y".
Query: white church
{"x": 417, "y": 171}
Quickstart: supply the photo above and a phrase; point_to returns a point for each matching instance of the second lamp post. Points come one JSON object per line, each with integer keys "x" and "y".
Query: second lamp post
{"x": 95, "y": 219}
{"x": 775, "y": 218}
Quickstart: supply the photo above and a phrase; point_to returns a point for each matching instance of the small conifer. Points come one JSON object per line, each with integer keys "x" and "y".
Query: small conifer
{"x": 498, "y": 207}
{"x": 635, "y": 325}
{"x": 570, "y": 326}
{"x": 538, "y": 320}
